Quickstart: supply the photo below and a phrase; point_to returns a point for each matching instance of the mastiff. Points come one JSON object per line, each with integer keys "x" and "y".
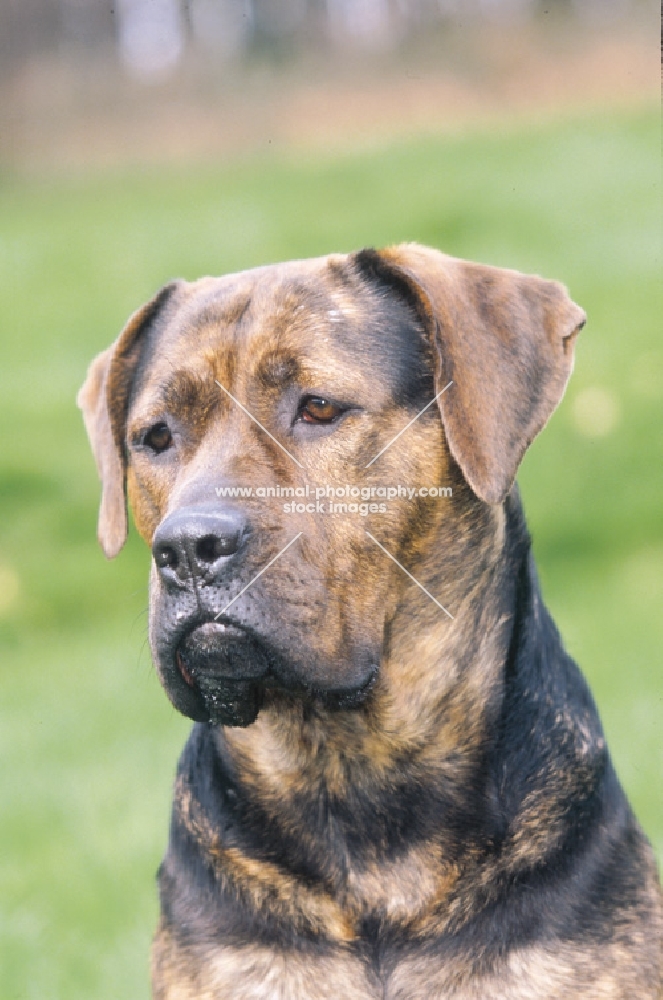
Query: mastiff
{"x": 397, "y": 785}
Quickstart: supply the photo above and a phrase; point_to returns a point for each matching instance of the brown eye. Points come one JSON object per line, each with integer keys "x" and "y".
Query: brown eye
{"x": 158, "y": 438}
{"x": 319, "y": 411}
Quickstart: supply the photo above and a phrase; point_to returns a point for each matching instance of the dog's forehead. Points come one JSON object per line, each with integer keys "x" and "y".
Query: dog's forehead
{"x": 314, "y": 316}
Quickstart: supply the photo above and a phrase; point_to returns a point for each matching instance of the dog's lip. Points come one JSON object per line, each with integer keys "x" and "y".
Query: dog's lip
{"x": 230, "y": 627}
{"x": 217, "y": 627}
{"x": 221, "y": 628}
{"x": 347, "y": 698}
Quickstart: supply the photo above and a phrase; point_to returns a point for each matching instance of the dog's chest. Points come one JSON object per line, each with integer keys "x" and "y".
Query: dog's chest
{"x": 255, "y": 972}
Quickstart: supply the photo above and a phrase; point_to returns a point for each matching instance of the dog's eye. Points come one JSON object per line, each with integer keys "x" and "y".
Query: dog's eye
{"x": 158, "y": 438}
{"x": 316, "y": 410}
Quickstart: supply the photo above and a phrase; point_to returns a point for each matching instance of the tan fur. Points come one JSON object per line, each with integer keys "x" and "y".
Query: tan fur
{"x": 258, "y": 973}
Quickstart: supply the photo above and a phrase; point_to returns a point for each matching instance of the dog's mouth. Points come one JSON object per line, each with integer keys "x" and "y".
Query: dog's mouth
{"x": 222, "y": 673}
{"x": 227, "y": 669}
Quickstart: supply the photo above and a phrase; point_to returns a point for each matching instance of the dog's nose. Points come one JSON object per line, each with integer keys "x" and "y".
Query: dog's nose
{"x": 197, "y": 541}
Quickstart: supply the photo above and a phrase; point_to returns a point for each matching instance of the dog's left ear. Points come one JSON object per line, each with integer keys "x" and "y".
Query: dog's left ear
{"x": 505, "y": 339}
{"x": 104, "y": 398}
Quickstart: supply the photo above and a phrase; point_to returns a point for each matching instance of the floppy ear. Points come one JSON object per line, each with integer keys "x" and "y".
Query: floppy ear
{"x": 104, "y": 398}
{"x": 505, "y": 339}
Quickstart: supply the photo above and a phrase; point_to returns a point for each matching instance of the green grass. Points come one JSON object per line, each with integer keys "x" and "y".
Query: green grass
{"x": 88, "y": 742}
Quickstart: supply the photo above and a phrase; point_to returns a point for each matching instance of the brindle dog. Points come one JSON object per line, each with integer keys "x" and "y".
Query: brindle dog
{"x": 397, "y": 785}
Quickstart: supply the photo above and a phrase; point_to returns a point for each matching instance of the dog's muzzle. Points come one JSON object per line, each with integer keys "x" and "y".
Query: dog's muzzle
{"x": 215, "y": 670}
{"x": 221, "y": 664}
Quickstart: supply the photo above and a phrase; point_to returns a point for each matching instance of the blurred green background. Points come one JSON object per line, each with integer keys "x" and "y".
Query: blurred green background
{"x": 88, "y": 742}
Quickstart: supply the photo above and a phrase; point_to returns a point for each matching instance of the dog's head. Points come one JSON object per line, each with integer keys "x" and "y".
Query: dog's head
{"x": 235, "y": 411}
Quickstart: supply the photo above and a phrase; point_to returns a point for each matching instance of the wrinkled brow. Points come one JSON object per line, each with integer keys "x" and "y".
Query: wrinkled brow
{"x": 276, "y": 370}
{"x": 215, "y": 314}
{"x": 189, "y": 396}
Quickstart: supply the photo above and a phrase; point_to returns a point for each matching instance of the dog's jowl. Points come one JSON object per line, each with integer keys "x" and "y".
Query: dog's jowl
{"x": 397, "y": 785}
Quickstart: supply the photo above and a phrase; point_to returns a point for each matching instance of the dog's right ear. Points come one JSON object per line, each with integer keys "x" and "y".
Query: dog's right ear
{"x": 104, "y": 400}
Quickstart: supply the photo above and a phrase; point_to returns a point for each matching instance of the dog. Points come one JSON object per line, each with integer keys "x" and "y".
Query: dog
{"x": 397, "y": 785}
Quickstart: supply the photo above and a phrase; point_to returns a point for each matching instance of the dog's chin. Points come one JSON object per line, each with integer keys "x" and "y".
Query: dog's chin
{"x": 224, "y": 669}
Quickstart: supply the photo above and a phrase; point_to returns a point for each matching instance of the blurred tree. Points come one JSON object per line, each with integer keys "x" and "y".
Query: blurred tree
{"x": 151, "y": 36}
{"x": 87, "y": 24}
{"x": 27, "y": 27}
{"x": 223, "y": 26}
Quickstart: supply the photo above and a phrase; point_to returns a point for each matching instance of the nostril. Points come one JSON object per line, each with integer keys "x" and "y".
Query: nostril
{"x": 212, "y": 547}
{"x": 165, "y": 557}
{"x": 196, "y": 542}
